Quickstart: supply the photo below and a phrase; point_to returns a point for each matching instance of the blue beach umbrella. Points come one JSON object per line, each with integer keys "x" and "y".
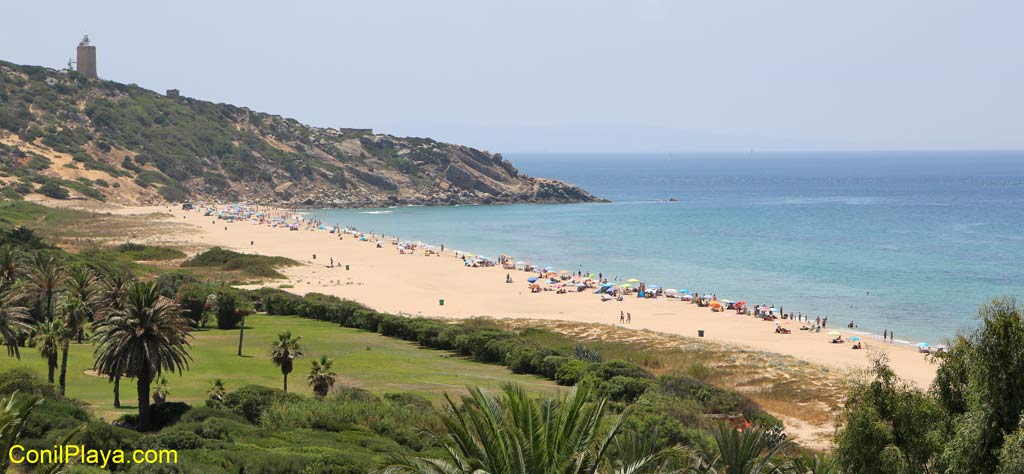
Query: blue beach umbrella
{"x": 532, "y": 279}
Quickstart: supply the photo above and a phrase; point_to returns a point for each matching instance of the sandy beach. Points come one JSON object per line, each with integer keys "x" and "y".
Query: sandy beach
{"x": 415, "y": 284}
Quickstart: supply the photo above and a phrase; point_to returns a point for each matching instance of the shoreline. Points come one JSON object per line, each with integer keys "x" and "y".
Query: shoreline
{"x": 413, "y": 284}
{"x": 855, "y": 331}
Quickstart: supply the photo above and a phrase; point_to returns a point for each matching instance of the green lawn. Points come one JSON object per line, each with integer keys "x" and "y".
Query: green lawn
{"x": 362, "y": 359}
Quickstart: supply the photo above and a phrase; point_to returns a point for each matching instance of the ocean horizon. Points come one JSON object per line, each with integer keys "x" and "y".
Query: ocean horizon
{"x": 909, "y": 242}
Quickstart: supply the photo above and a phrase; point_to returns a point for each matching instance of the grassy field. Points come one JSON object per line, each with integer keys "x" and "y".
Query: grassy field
{"x": 362, "y": 359}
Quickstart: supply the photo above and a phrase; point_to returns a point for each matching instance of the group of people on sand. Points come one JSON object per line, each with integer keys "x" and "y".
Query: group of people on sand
{"x": 561, "y": 282}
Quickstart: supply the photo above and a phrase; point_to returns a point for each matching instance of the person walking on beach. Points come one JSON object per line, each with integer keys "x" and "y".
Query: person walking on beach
{"x": 629, "y": 318}
{"x": 824, "y": 322}
{"x": 622, "y": 317}
{"x": 885, "y": 335}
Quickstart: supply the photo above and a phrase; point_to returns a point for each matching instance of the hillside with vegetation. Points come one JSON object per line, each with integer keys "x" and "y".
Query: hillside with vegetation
{"x": 65, "y": 136}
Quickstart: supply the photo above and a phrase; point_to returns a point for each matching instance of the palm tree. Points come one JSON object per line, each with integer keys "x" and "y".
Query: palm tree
{"x": 49, "y": 337}
{"x": 746, "y": 451}
{"x": 14, "y": 321}
{"x": 113, "y": 290}
{"x": 514, "y": 434}
{"x": 161, "y": 391}
{"x": 83, "y": 284}
{"x": 143, "y": 340}
{"x": 811, "y": 464}
{"x": 217, "y": 391}
{"x": 14, "y": 414}
{"x": 284, "y": 352}
{"x": 72, "y": 315}
{"x": 46, "y": 275}
{"x": 320, "y": 377}
{"x": 10, "y": 264}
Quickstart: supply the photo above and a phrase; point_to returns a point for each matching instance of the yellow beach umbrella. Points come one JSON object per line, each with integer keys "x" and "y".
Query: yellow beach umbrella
{"x": 632, "y": 280}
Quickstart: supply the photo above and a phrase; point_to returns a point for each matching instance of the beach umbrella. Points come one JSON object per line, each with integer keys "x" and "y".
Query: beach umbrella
{"x": 684, "y": 290}
{"x": 922, "y": 344}
{"x": 625, "y": 285}
{"x": 687, "y": 296}
{"x": 653, "y": 287}
{"x": 854, "y": 338}
{"x": 592, "y": 276}
{"x": 632, "y": 280}
{"x": 834, "y": 333}
{"x": 727, "y": 301}
{"x": 606, "y": 285}
{"x": 532, "y": 279}
{"x": 548, "y": 269}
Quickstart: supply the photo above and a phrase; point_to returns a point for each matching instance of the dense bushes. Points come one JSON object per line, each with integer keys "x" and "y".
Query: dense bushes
{"x": 253, "y": 265}
{"x": 618, "y": 381}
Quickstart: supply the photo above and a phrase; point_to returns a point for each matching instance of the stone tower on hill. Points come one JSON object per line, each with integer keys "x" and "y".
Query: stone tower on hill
{"x": 87, "y": 59}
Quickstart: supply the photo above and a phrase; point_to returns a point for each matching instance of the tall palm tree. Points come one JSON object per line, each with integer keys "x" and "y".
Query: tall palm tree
{"x": 83, "y": 284}
{"x": 143, "y": 340}
{"x": 46, "y": 275}
{"x": 746, "y": 451}
{"x": 284, "y": 352}
{"x": 49, "y": 337}
{"x": 320, "y": 377}
{"x": 73, "y": 313}
{"x": 15, "y": 320}
{"x": 114, "y": 286}
{"x": 515, "y": 434}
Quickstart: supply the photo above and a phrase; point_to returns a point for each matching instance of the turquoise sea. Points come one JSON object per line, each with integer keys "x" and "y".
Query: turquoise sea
{"x": 910, "y": 242}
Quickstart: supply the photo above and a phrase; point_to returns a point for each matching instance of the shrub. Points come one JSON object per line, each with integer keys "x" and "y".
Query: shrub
{"x": 192, "y": 299}
{"x": 148, "y": 252}
{"x": 178, "y": 440}
{"x": 53, "y": 190}
{"x": 571, "y": 372}
{"x": 250, "y": 400}
{"x": 104, "y": 436}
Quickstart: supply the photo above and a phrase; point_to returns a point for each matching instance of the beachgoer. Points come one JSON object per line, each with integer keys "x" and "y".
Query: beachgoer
{"x": 314, "y": 256}
{"x": 885, "y": 335}
{"x": 629, "y": 318}
{"x": 622, "y": 317}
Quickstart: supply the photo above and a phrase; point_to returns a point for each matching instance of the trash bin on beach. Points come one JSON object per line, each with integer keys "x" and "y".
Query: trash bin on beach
{"x": 700, "y": 333}
{"x": 440, "y": 301}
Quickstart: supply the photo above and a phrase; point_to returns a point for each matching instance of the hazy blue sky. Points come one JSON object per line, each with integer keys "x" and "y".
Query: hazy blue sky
{"x": 574, "y": 75}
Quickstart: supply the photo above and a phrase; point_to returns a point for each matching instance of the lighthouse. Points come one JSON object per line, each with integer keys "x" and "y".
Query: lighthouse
{"x": 86, "y": 58}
